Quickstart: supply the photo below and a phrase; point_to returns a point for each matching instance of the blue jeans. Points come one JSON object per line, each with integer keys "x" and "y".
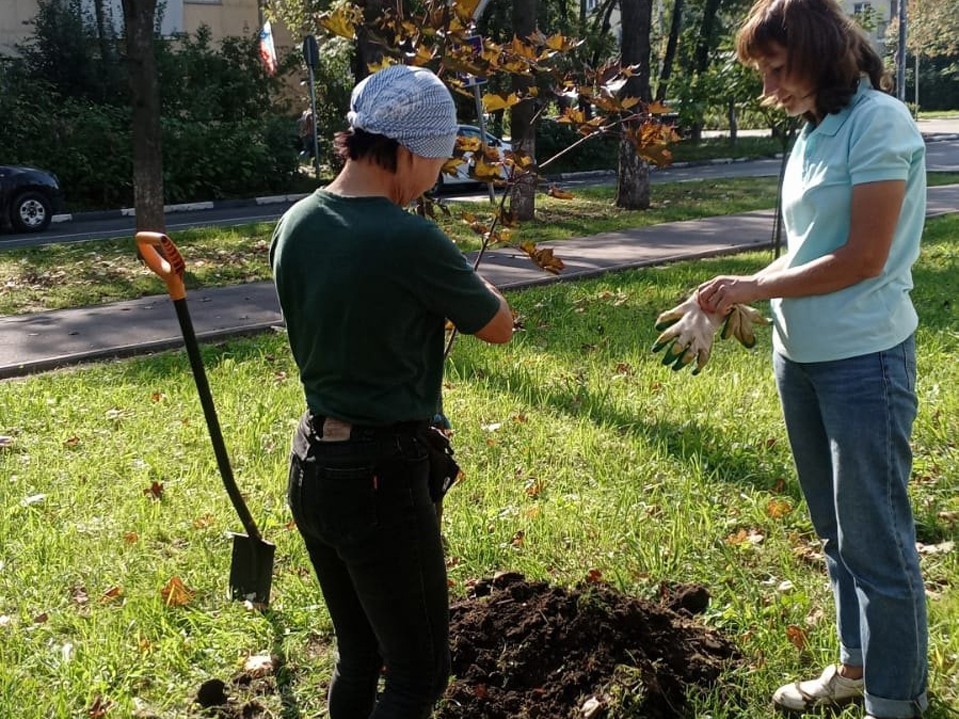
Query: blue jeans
{"x": 849, "y": 424}
{"x": 364, "y": 511}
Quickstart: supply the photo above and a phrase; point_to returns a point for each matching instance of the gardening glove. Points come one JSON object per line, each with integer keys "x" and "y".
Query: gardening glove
{"x": 688, "y": 331}
{"x": 740, "y": 323}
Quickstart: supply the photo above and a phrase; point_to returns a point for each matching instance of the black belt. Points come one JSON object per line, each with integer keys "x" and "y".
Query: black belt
{"x": 358, "y": 432}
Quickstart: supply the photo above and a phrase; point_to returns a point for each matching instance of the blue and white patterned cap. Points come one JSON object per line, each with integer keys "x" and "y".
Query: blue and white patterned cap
{"x": 407, "y": 104}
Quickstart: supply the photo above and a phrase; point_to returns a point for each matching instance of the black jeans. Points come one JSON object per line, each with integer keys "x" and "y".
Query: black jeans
{"x": 363, "y": 509}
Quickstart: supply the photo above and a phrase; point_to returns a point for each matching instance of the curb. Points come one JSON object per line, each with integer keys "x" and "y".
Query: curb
{"x": 185, "y": 207}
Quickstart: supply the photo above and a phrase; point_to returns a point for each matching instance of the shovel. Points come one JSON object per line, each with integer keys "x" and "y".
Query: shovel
{"x": 251, "y": 571}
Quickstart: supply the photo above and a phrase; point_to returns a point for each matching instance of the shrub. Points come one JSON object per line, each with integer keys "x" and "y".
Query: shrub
{"x": 65, "y": 107}
{"x": 596, "y": 153}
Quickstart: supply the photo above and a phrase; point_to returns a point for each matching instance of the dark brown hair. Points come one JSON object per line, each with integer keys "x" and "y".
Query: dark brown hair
{"x": 823, "y": 45}
{"x": 356, "y": 144}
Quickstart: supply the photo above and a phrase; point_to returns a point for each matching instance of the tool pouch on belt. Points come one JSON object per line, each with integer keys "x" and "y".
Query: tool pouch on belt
{"x": 443, "y": 468}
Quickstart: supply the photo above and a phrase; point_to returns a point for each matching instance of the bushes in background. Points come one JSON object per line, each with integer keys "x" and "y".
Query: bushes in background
{"x": 65, "y": 108}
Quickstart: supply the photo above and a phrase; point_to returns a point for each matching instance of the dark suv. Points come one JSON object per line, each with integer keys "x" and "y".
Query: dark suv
{"x": 28, "y": 198}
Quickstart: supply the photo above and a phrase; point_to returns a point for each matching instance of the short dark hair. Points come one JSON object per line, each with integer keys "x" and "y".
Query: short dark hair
{"x": 823, "y": 45}
{"x": 356, "y": 144}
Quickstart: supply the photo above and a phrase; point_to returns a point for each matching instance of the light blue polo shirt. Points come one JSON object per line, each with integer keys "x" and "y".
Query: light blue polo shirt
{"x": 872, "y": 139}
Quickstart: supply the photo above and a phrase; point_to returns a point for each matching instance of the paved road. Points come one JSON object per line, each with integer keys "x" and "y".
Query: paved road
{"x": 942, "y": 156}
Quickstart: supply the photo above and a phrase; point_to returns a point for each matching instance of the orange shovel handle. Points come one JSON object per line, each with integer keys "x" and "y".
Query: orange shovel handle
{"x": 162, "y": 256}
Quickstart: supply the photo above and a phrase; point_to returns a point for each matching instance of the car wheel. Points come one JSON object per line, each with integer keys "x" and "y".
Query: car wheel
{"x": 31, "y": 212}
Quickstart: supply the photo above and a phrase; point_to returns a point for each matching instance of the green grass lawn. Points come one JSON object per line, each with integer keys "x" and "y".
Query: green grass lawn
{"x": 55, "y": 276}
{"x": 574, "y": 434}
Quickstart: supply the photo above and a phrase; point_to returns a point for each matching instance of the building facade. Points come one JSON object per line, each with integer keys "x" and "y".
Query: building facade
{"x": 875, "y": 16}
{"x": 224, "y": 17}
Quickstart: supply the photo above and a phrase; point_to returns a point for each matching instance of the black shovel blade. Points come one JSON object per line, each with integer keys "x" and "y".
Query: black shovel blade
{"x": 251, "y": 571}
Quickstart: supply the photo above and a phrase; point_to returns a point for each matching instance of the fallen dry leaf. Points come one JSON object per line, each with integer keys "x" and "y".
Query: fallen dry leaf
{"x": 99, "y": 708}
{"x": 930, "y": 549}
{"x": 559, "y": 194}
{"x": 32, "y": 499}
{"x": 778, "y": 508}
{"x": 543, "y": 257}
{"x": 112, "y": 594}
{"x": 176, "y": 593}
{"x": 796, "y": 636}
{"x": 259, "y": 665}
{"x": 594, "y": 576}
{"x": 207, "y": 520}
{"x": 155, "y": 490}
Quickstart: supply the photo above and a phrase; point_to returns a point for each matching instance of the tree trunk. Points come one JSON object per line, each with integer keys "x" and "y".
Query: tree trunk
{"x": 522, "y": 130}
{"x": 601, "y": 26}
{"x": 675, "y": 27}
{"x": 368, "y": 52}
{"x": 102, "y": 40}
{"x": 704, "y": 45}
{"x": 138, "y": 15}
{"x": 733, "y": 122}
{"x": 632, "y": 192}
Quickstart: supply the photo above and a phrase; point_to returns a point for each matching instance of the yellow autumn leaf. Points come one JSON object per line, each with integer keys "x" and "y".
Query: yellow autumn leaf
{"x": 464, "y": 9}
{"x": 484, "y": 171}
{"x": 543, "y": 257}
{"x": 778, "y": 508}
{"x": 561, "y": 43}
{"x": 342, "y": 21}
{"x": 422, "y": 56}
{"x": 523, "y": 50}
{"x": 384, "y": 63}
{"x": 493, "y": 102}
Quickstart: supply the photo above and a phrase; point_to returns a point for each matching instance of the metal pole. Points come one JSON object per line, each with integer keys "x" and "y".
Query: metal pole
{"x": 901, "y": 52}
{"x": 916, "y": 86}
{"x": 316, "y": 144}
{"x": 482, "y": 126}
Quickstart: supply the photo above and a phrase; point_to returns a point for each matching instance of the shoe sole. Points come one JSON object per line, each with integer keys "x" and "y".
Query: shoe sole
{"x": 819, "y": 707}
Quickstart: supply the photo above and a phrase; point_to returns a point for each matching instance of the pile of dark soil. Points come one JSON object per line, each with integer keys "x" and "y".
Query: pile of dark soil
{"x": 534, "y": 651}
{"x": 528, "y": 649}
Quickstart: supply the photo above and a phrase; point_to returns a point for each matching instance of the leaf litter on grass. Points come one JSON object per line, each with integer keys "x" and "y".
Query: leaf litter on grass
{"x": 538, "y": 651}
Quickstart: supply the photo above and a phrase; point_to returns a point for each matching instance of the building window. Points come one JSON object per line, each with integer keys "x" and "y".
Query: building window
{"x": 861, "y": 7}
{"x": 591, "y": 5}
{"x": 202, "y": 2}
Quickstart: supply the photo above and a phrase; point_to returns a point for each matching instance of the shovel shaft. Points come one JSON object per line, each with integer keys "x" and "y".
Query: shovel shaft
{"x": 163, "y": 257}
{"x": 213, "y": 424}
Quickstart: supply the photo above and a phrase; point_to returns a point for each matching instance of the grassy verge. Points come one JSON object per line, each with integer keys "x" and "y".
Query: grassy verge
{"x": 71, "y": 275}
{"x": 573, "y": 438}
{"x": 713, "y": 148}
{"x": 56, "y": 276}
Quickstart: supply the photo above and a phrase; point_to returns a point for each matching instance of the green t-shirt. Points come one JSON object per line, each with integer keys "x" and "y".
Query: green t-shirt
{"x": 365, "y": 288}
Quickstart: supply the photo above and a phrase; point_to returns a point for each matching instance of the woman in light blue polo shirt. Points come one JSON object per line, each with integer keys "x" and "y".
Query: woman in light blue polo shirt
{"x": 844, "y": 353}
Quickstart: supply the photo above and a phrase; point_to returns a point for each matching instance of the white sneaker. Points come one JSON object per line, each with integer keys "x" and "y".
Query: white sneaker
{"x": 829, "y": 690}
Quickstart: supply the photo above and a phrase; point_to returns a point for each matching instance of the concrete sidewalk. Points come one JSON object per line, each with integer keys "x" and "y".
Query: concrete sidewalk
{"x": 38, "y": 342}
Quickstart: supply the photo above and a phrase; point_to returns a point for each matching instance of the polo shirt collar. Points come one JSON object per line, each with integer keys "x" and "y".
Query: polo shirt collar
{"x": 834, "y": 121}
